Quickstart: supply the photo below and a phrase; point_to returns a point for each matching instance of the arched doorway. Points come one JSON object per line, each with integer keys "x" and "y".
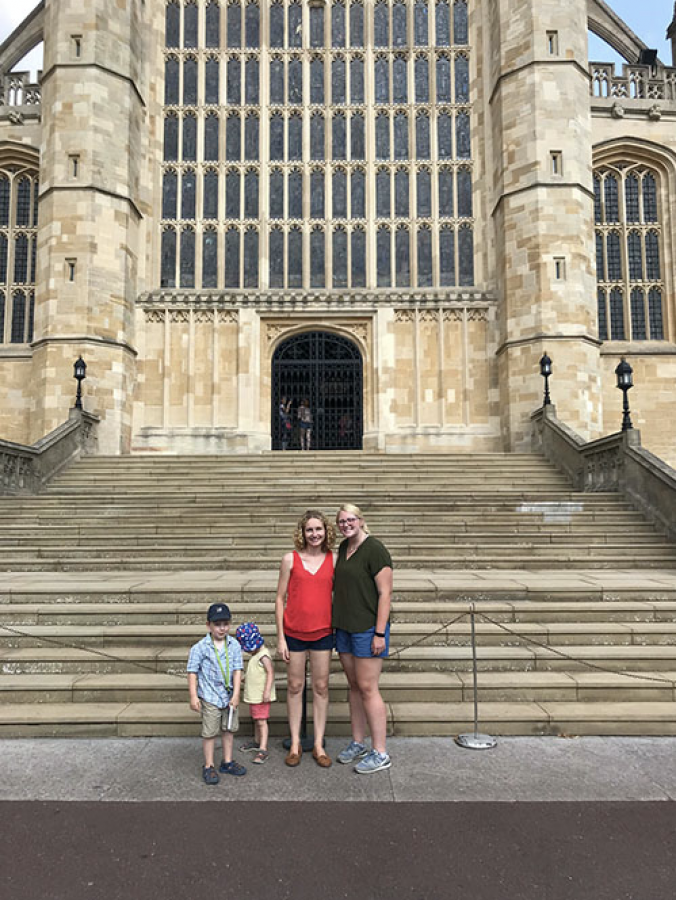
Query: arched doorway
{"x": 326, "y": 369}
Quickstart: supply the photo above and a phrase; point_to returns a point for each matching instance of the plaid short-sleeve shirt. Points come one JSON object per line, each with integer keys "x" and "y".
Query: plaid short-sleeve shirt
{"x": 203, "y": 662}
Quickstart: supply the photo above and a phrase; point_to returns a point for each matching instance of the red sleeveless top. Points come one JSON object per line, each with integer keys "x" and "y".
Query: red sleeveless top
{"x": 307, "y": 616}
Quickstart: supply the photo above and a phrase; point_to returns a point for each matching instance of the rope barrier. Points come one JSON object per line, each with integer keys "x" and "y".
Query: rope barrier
{"x": 395, "y": 653}
{"x": 568, "y": 656}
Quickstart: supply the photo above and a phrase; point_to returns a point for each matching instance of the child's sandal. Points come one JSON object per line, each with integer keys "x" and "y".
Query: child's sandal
{"x": 261, "y": 757}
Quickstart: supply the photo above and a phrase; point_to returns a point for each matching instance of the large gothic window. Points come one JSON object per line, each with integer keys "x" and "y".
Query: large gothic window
{"x": 316, "y": 161}
{"x": 630, "y": 287}
{"x": 18, "y": 252}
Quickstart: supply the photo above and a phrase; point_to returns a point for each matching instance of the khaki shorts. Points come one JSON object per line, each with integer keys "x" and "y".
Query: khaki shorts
{"x": 214, "y": 719}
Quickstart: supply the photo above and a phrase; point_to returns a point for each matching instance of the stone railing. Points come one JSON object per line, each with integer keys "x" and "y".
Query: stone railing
{"x": 617, "y": 462}
{"x": 17, "y": 92}
{"x": 635, "y": 82}
{"x": 25, "y": 470}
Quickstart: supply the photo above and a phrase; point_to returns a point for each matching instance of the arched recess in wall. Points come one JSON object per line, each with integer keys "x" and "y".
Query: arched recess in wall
{"x": 19, "y": 189}
{"x": 634, "y": 208}
{"x": 325, "y": 368}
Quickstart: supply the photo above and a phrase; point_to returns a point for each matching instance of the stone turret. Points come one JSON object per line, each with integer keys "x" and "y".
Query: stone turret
{"x": 671, "y": 36}
{"x": 542, "y": 212}
{"x": 90, "y": 212}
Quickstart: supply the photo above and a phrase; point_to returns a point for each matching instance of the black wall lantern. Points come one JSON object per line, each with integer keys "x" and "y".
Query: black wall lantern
{"x": 79, "y": 373}
{"x": 546, "y": 371}
{"x": 625, "y": 381}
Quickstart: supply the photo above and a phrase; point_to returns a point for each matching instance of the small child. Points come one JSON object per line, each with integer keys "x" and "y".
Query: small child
{"x": 259, "y": 687}
{"x": 214, "y": 681}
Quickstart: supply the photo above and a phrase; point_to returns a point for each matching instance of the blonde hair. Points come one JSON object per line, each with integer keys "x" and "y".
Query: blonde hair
{"x": 299, "y": 531}
{"x": 354, "y": 511}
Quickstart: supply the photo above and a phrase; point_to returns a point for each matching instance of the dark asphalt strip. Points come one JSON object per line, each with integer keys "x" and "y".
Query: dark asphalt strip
{"x": 326, "y": 851}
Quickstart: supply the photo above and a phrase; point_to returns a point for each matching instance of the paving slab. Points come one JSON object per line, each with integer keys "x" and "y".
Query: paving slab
{"x": 424, "y": 769}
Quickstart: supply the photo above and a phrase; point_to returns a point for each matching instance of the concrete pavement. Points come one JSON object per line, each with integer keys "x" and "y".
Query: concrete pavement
{"x": 424, "y": 769}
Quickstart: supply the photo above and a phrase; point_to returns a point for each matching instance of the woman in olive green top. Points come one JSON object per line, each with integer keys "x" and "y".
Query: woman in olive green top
{"x": 362, "y": 594}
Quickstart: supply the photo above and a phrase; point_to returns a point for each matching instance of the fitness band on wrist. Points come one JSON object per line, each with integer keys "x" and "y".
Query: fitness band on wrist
{"x": 379, "y": 634}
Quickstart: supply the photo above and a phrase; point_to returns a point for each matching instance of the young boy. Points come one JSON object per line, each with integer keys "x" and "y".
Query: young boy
{"x": 259, "y": 687}
{"x": 214, "y": 681}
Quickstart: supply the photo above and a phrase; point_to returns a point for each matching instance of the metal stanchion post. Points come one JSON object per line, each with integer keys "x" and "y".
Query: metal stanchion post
{"x": 475, "y": 741}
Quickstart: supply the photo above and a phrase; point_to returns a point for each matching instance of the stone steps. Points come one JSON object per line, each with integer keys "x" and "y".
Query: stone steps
{"x": 121, "y": 557}
{"x": 403, "y": 634}
{"x": 396, "y": 687}
{"x": 431, "y": 612}
{"x": 404, "y": 719}
{"x": 520, "y": 656}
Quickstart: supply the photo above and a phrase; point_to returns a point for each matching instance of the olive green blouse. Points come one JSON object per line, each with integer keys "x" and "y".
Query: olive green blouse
{"x": 355, "y": 593}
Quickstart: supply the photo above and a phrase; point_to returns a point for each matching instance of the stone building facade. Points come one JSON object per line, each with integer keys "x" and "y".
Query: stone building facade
{"x": 392, "y": 207}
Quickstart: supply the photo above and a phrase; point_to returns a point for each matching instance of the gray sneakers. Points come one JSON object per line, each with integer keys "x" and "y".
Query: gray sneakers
{"x": 373, "y": 762}
{"x": 352, "y": 753}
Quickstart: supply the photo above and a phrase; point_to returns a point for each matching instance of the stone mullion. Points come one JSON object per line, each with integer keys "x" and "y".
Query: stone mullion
{"x": 264, "y": 156}
{"x": 166, "y": 380}
{"x": 466, "y": 417}
{"x": 370, "y": 141}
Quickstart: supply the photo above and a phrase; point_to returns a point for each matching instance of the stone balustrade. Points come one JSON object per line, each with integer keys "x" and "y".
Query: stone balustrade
{"x": 617, "y": 462}
{"x": 635, "y": 83}
{"x": 16, "y": 90}
{"x": 25, "y": 470}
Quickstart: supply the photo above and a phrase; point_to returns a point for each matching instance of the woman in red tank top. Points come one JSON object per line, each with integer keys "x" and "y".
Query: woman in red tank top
{"x": 303, "y": 616}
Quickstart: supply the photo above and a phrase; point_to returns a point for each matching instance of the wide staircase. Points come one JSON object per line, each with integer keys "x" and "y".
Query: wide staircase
{"x": 106, "y": 576}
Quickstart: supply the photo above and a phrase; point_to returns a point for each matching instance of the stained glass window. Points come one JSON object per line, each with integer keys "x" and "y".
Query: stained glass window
{"x": 171, "y": 81}
{"x": 188, "y": 196}
{"x": 210, "y": 259}
{"x": 190, "y": 81}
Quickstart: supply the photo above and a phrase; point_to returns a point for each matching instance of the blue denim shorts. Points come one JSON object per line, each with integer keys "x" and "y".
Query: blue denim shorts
{"x": 358, "y": 643}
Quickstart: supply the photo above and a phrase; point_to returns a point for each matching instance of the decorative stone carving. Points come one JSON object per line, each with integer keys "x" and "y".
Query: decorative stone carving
{"x": 617, "y": 111}
{"x": 404, "y": 315}
{"x": 358, "y": 329}
{"x": 228, "y": 315}
{"x": 452, "y": 315}
{"x": 179, "y": 315}
{"x": 155, "y": 315}
{"x": 204, "y": 315}
{"x": 477, "y": 315}
{"x": 429, "y": 315}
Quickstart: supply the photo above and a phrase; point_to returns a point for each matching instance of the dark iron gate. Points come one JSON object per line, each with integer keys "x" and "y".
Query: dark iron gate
{"x": 325, "y": 369}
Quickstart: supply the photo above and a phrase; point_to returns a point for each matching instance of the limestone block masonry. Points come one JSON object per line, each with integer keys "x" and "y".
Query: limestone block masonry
{"x": 445, "y": 225}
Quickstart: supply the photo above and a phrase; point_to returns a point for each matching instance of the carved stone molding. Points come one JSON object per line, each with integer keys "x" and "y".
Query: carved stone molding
{"x": 404, "y": 315}
{"x": 155, "y": 315}
{"x": 179, "y": 315}
{"x": 452, "y": 315}
{"x": 429, "y": 315}
{"x": 204, "y": 315}
{"x": 228, "y": 315}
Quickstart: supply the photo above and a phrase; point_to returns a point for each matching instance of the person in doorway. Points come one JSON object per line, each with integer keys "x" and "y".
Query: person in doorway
{"x": 303, "y": 617}
{"x": 285, "y": 422}
{"x": 305, "y": 421}
{"x": 361, "y": 612}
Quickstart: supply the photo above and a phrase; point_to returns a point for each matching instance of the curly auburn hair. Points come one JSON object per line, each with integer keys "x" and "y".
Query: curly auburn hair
{"x": 299, "y": 531}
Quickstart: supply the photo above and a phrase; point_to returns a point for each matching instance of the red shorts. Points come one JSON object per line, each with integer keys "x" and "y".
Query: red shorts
{"x": 259, "y": 710}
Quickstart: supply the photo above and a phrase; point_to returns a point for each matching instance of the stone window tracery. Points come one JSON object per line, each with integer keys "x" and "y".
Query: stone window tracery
{"x": 18, "y": 242}
{"x": 387, "y": 151}
{"x": 630, "y": 288}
